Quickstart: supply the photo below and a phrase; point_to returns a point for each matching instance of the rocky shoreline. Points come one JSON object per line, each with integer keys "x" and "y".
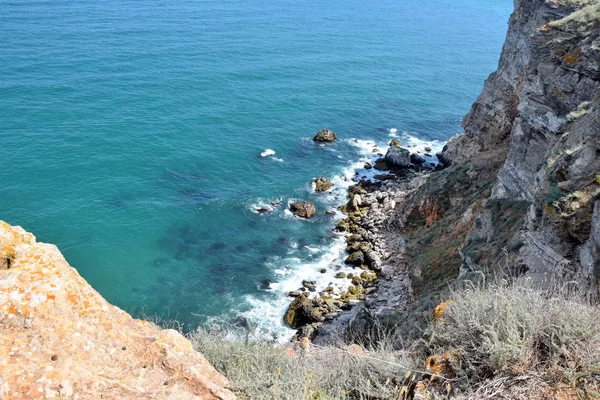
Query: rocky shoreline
{"x": 383, "y": 282}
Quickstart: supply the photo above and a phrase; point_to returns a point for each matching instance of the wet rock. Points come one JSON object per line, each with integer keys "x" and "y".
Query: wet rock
{"x": 367, "y": 166}
{"x": 340, "y": 275}
{"x": 322, "y": 184}
{"x": 325, "y": 135}
{"x": 428, "y": 149}
{"x": 294, "y": 294}
{"x": 303, "y": 209}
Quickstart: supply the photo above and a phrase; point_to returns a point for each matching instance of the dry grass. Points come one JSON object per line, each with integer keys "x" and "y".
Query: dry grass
{"x": 511, "y": 341}
{"x": 265, "y": 371}
{"x": 509, "y": 330}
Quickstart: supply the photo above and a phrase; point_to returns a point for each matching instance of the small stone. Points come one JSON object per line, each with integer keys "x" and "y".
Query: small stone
{"x": 340, "y": 275}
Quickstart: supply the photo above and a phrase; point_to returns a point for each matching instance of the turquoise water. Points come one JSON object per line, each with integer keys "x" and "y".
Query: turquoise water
{"x": 131, "y": 132}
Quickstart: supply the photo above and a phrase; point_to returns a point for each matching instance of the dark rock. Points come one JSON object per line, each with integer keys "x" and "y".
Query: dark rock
{"x": 397, "y": 157}
{"x": 357, "y": 258}
{"x": 322, "y": 184}
{"x": 368, "y": 166}
{"x": 303, "y": 209}
{"x": 302, "y": 311}
{"x": 416, "y": 159}
{"x": 325, "y": 135}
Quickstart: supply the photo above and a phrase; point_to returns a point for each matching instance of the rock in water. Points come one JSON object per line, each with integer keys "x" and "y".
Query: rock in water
{"x": 302, "y": 311}
{"x": 397, "y": 156}
{"x": 395, "y": 143}
{"x": 303, "y": 209}
{"x": 322, "y": 184}
{"x": 325, "y": 135}
{"x": 61, "y": 339}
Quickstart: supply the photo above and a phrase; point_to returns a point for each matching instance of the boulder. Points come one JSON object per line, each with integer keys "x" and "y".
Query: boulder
{"x": 397, "y": 157}
{"x": 322, "y": 184}
{"x": 302, "y": 311}
{"x": 357, "y": 258}
{"x": 416, "y": 159}
{"x": 61, "y": 339}
{"x": 325, "y": 135}
{"x": 303, "y": 209}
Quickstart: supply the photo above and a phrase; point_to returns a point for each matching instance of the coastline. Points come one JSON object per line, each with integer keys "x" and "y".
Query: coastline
{"x": 381, "y": 282}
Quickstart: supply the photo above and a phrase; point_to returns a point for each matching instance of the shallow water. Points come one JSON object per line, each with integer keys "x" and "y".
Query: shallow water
{"x": 132, "y": 133}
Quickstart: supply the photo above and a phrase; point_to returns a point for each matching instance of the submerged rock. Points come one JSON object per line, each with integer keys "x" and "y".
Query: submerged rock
{"x": 322, "y": 184}
{"x": 61, "y": 339}
{"x": 325, "y": 135}
{"x": 303, "y": 209}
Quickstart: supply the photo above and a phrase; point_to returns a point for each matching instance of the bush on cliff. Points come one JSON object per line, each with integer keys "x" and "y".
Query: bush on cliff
{"x": 512, "y": 331}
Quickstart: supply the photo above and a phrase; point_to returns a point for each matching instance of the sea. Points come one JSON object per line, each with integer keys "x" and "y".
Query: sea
{"x": 142, "y": 136}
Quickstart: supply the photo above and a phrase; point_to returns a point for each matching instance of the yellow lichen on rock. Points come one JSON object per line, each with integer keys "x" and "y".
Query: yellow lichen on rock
{"x": 61, "y": 339}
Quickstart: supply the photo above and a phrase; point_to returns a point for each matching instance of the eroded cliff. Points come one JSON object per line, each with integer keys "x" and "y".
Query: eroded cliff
{"x": 520, "y": 194}
{"x": 61, "y": 339}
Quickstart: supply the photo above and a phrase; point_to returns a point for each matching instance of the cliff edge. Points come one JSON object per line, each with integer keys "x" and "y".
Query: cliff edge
{"x": 61, "y": 339}
{"x": 520, "y": 193}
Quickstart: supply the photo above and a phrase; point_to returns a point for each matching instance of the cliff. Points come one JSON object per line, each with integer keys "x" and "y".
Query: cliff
{"x": 60, "y": 339}
{"x": 520, "y": 194}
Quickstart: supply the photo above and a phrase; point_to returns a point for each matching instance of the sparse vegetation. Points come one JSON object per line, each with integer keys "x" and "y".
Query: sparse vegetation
{"x": 501, "y": 337}
{"x": 261, "y": 370}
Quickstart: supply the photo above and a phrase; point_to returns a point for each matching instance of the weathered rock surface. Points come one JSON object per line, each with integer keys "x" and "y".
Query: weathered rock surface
{"x": 517, "y": 193}
{"x": 325, "y": 135}
{"x": 303, "y": 209}
{"x": 397, "y": 157}
{"x": 322, "y": 184}
{"x": 61, "y": 339}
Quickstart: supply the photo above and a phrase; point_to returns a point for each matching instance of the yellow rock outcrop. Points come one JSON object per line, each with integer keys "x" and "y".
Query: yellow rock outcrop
{"x": 60, "y": 339}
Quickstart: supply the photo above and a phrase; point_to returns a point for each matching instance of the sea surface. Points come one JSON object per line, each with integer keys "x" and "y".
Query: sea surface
{"x": 131, "y": 134}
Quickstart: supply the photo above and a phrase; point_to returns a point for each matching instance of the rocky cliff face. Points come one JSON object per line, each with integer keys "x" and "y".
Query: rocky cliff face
{"x": 60, "y": 339}
{"x": 521, "y": 193}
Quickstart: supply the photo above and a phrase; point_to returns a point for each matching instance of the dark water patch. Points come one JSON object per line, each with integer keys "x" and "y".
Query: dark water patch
{"x": 217, "y": 246}
{"x": 194, "y": 197}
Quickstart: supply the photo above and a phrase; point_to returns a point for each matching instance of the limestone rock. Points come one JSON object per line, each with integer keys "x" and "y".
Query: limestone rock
{"x": 61, "y": 339}
{"x": 303, "y": 209}
{"x": 325, "y": 135}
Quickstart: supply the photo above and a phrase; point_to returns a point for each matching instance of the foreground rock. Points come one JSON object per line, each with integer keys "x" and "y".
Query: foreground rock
{"x": 325, "y": 135}
{"x": 322, "y": 184}
{"x": 61, "y": 339}
{"x": 303, "y": 209}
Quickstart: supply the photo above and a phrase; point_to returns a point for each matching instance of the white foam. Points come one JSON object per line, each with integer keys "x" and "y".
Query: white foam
{"x": 266, "y": 312}
{"x": 267, "y": 153}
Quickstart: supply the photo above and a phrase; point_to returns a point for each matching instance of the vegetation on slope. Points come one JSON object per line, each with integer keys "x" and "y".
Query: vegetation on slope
{"x": 509, "y": 339}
